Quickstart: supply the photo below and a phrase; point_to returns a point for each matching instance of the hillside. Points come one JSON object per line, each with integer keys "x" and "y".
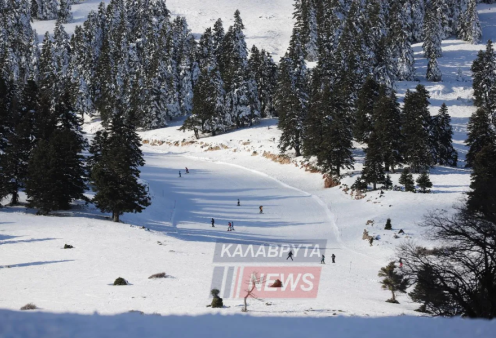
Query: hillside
{"x": 174, "y": 234}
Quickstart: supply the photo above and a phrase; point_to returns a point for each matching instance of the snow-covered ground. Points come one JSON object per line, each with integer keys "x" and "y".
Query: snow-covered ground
{"x": 34, "y": 267}
{"x": 133, "y": 325}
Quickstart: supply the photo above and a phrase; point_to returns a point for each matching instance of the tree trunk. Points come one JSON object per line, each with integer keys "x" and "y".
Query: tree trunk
{"x": 15, "y": 198}
{"x": 115, "y": 216}
{"x": 245, "y": 309}
{"x": 394, "y": 298}
{"x": 297, "y": 150}
{"x": 375, "y": 185}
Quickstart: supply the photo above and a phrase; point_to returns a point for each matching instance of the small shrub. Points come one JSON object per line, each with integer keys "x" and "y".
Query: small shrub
{"x": 393, "y": 301}
{"x": 68, "y": 246}
{"x": 120, "y": 281}
{"x": 217, "y": 302}
{"x": 29, "y": 306}
{"x": 388, "y": 225}
{"x": 401, "y": 231}
{"x": 158, "y": 275}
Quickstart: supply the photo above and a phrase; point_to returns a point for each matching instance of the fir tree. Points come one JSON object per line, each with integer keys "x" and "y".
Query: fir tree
{"x": 387, "y": 126}
{"x": 19, "y": 142}
{"x": 329, "y": 131}
{"x": 64, "y": 14}
{"x": 406, "y": 179}
{"x": 367, "y": 96}
{"x": 470, "y": 28}
{"x": 388, "y": 183}
{"x": 56, "y": 172}
{"x": 484, "y": 74}
{"x": 373, "y": 170}
{"x": 388, "y": 225}
{"x": 433, "y": 71}
{"x": 115, "y": 160}
{"x": 428, "y": 292}
{"x": 479, "y": 134}
{"x": 208, "y": 115}
{"x": 433, "y": 33}
{"x": 392, "y": 281}
{"x": 442, "y": 134}
{"x": 481, "y": 198}
{"x": 424, "y": 182}
{"x": 416, "y": 129}
{"x": 292, "y": 96}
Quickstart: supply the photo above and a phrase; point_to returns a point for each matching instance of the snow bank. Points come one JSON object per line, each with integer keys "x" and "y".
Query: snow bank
{"x": 39, "y": 325}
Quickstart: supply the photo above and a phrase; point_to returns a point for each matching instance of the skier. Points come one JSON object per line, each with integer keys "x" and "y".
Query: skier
{"x": 322, "y": 261}
{"x": 401, "y": 263}
{"x": 213, "y": 222}
{"x": 290, "y": 255}
{"x": 239, "y": 203}
{"x": 261, "y": 209}
{"x": 333, "y": 257}
{"x": 179, "y": 173}
{"x": 229, "y": 226}
{"x": 232, "y": 226}
{"x": 187, "y": 171}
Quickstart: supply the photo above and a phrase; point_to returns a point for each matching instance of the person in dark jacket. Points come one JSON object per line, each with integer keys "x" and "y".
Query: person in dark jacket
{"x": 333, "y": 257}
{"x": 322, "y": 261}
{"x": 239, "y": 204}
{"x": 213, "y": 222}
{"x": 290, "y": 255}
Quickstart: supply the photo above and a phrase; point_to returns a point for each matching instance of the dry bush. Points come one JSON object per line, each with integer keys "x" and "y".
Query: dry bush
{"x": 29, "y": 306}
{"x": 158, "y": 275}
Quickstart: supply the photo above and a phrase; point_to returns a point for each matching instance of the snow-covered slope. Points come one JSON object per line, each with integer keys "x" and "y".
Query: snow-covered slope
{"x": 133, "y": 325}
{"x": 35, "y": 268}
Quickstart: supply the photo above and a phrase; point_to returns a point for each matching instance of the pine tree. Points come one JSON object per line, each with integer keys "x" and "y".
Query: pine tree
{"x": 19, "y": 142}
{"x": 328, "y": 129}
{"x": 484, "y": 74}
{"x": 392, "y": 281}
{"x": 241, "y": 90}
{"x": 373, "y": 170}
{"x": 388, "y": 183}
{"x": 433, "y": 33}
{"x": 292, "y": 96}
{"x": 264, "y": 72}
{"x": 388, "y": 225}
{"x": 479, "y": 134}
{"x": 442, "y": 134}
{"x": 45, "y": 9}
{"x": 416, "y": 126}
{"x": 64, "y": 14}
{"x": 367, "y": 96}
{"x": 433, "y": 71}
{"x": 387, "y": 126}
{"x": 56, "y": 172}
{"x": 481, "y": 198}
{"x": 406, "y": 179}
{"x": 401, "y": 40}
{"x": 424, "y": 182}
{"x": 427, "y": 292}
{"x": 208, "y": 115}
{"x": 470, "y": 28}
{"x": 115, "y": 160}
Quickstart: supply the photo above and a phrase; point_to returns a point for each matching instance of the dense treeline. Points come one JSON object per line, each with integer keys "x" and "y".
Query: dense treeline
{"x": 349, "y": 95}
{"x": 44, "y": 93}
